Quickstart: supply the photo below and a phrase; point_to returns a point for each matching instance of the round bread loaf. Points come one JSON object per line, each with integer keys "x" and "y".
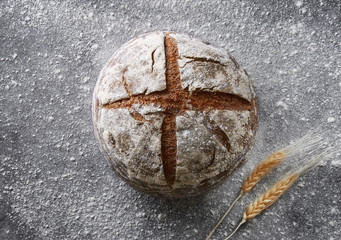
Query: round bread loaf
{"x": 173, "y": 116}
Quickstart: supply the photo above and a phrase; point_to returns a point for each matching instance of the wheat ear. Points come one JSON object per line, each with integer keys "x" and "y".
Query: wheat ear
{"x": 262, "y": 169}
{"x": 276, "y": 191}
{"x": 307, "y": 143}
{"x": 266, "y": 200}
{"x": 269, "y": 197}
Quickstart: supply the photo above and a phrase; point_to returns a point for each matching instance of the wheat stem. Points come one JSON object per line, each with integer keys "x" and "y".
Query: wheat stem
{"x": 276, "y": 191}
{"x": 266, "y": 200}
{"x": 220, "y": 221}
{"x": 308, "y": 144}
{"x": 236, "y": 229}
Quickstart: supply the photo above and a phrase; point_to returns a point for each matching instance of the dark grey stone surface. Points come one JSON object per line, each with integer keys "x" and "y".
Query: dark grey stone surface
{"x": 54, "y": 182}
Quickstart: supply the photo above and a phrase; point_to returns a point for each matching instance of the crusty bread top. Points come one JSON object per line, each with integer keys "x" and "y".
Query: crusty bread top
{"x": 171, "y": 113}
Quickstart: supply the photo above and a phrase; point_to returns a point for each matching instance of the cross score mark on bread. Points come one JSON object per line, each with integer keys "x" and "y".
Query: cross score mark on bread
{"x": 175, "y": 101}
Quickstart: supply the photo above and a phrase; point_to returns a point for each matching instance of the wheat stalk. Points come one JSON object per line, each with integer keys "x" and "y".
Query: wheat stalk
{"x": 266, "y": 200}
{"x": 307, "y": 143}
{"x": 261, "y": 170}
{"x": 276, "y": 191}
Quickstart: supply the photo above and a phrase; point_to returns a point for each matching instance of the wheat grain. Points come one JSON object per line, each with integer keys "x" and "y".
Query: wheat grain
{"x": 269, "y": 197}
{"x": 261, "y": 170}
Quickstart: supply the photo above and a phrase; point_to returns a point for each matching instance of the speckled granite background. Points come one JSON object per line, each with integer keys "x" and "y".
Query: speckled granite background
{"x": 54, "y": 182}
